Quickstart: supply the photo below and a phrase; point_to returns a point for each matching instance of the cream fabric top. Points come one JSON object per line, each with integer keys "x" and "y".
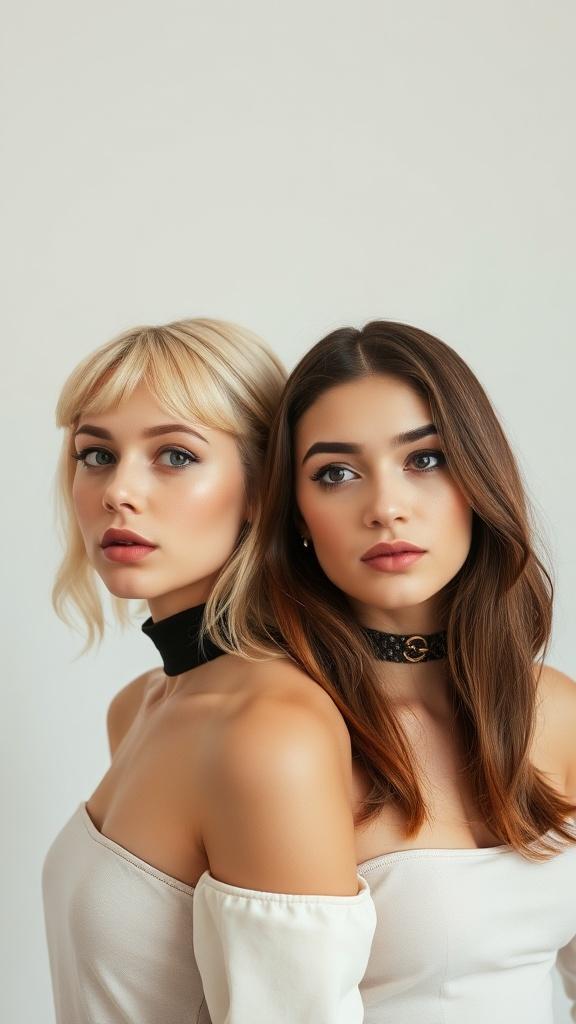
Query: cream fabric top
{"x": 461, "y": 936}
{"x": 469, "y": 936}
{"x": 128, "y": 943}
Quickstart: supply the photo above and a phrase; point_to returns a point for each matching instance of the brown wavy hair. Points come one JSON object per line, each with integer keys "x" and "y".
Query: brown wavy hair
{"x": 497, "y": 609}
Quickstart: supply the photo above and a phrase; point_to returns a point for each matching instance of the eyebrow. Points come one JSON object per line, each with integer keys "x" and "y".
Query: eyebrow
{"x": 349, "y": 448}
{"x": 162, "y": 428}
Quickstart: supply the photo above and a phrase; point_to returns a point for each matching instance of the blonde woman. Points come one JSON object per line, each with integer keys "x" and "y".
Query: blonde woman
{"x": 395, "y": 563}
{"x": 211, "y": 874}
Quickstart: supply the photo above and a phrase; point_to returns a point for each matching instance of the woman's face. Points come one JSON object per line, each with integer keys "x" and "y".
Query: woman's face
{"x": 360, "y": 484}
{"x": 180, "y": 487}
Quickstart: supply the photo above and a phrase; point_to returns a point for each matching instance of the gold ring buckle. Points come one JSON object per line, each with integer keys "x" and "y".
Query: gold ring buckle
{"x": 410, "y": 645}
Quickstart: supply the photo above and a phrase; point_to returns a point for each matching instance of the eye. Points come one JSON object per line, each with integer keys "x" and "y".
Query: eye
{"x": 182, "y": 460}
{"x": 423, "y": 460}
{"x": 333, "y": 475}
{"x": 83, "y": 457}
{"x": 179, "y": 458}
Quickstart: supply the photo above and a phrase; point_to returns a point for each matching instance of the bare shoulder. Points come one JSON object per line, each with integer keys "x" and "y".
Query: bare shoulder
{"x": 283, "y": 681}
{"x": 557, "y": 713}
{"x": 124, "y": 706}
{"x": 556, "y": 692}
{"x": 277, "y": 814}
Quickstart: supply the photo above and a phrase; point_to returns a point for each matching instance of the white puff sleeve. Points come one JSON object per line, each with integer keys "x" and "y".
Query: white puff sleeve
{"x": 281, "y": 958}
{"x": 566, "y": 964}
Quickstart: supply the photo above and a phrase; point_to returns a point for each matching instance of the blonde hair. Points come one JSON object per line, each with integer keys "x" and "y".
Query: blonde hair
{"x": 209, "y": 370}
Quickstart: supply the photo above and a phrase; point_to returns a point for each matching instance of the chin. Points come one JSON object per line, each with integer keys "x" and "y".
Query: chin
{"x": 128, "y": 592}
{"x": 402, "y": 589}
{"x": 399, "y": 597}
{"x": 127, "y": 587}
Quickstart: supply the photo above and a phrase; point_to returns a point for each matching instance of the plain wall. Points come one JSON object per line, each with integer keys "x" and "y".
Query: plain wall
{"x": 293, "y": 167}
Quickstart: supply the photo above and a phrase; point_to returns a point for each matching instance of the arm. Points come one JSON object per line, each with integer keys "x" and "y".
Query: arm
{"x": 282, "y": 922}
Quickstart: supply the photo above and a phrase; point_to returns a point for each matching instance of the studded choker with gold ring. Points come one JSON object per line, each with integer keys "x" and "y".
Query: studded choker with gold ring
{"x": 405, "y": 647}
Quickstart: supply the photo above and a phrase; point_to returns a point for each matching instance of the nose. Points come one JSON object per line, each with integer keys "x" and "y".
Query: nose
{"x": 387, "y": 502}
{"x": 124, "y": 488}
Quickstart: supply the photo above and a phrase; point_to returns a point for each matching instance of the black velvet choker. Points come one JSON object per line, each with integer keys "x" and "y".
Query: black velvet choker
{"x": 410, "y": 647}
{"x": 178, "y": 640}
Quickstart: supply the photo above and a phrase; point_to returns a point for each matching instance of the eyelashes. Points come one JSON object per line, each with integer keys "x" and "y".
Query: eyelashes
{"x": 334, "y": 467}
{"x": 82, "y": 457}
{"x": 439, "y": 456}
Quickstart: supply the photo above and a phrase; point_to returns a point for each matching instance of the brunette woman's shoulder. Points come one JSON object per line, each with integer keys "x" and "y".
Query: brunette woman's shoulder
{"x": 557, "y": 718}
{"x": 125, "y": 705}
{"x": 276, "y": 811}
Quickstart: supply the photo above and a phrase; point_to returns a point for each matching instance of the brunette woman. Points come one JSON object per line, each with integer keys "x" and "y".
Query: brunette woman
{"x": 394, "y": 563}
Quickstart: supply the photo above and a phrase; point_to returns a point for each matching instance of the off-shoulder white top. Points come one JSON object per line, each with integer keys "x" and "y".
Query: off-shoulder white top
{"x": 432, "y": 937}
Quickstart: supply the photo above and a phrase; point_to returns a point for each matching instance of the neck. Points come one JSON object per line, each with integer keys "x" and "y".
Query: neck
{"x": 426, "y": 617}
{"x": 412, "y": 686}
{"x": 180, "y": 640}
{"x": 408, "y": 683}
{"x": 190, "y": 596}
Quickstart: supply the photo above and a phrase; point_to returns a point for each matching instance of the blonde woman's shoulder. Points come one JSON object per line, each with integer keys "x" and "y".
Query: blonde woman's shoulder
{"x": 124, "y": 706}
{"x": 282, "y": 682}
{"x": 276, "y": 812}
{"x": 556, "y": 729}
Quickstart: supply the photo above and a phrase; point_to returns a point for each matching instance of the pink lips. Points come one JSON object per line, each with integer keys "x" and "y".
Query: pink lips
{"x": 125, "y": 546}
{"x": 127, "y": 552}
{"x": 113, "y": 536}
{"x": 394, "y": 548}
{"x": 393, "y": 557}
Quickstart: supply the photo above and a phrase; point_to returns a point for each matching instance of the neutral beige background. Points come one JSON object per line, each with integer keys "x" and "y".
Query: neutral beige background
{"x": 293, "y": 167}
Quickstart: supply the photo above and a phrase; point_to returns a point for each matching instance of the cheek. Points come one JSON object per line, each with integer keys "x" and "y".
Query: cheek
{"x": 458, "y": 513}
{"x": 83, "y": 501}
{"x": 454, "y": 520}
{"x": 327, "y": 526}
{"x": 332, "y": 522}
{"x": 207, "y": 499}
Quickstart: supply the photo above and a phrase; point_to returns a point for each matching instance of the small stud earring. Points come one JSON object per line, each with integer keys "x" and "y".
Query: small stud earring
{"x": 305, "y": 541}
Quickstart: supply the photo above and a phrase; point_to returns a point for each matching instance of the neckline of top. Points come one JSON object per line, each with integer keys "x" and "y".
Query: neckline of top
{"x": 427, "y": 852}
{"x": 364, "y": 866}
{"x": 121, "y": 851}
